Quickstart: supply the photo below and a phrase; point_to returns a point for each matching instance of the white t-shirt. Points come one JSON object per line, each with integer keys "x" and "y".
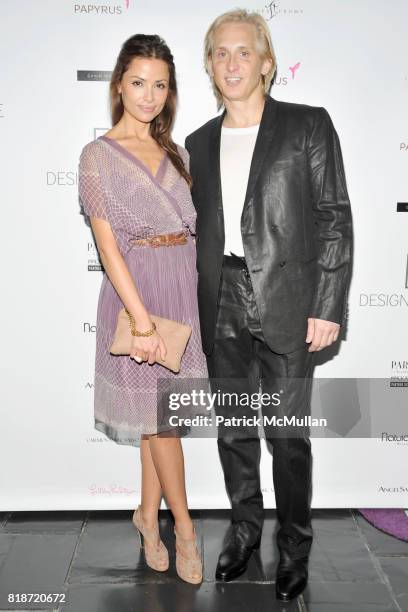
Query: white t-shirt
{"x": 236, "y": 150}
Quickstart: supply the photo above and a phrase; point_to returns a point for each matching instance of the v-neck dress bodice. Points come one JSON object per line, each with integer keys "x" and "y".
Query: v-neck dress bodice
{"x": 117, "y": 187}
{"x": 120, "y": 189}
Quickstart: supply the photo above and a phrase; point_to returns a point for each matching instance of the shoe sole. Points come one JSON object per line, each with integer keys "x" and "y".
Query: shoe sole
{"x": 228, "y": 577}
{"x": 285, "y": 598}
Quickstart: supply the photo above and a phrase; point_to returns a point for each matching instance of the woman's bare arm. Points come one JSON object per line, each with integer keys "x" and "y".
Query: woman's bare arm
{"x": 94, "y": 201}
{"x": 118, "y": 272}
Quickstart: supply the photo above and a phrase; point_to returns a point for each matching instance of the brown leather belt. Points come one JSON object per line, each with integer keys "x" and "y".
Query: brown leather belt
{"x": 162, "y": 240}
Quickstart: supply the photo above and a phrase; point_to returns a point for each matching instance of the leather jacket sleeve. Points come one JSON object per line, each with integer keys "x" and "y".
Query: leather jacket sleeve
{"x": 332, "y": 214}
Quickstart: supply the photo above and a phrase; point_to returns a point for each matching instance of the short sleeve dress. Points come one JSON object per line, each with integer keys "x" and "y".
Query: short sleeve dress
{"x": 114, "y": 185}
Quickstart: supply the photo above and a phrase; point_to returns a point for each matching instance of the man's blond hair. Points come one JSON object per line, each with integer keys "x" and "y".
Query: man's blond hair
{"x": 263, "y": 38}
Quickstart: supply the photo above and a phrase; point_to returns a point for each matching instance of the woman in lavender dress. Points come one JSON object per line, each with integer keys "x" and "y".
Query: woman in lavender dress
{"x": 134, "y": 184}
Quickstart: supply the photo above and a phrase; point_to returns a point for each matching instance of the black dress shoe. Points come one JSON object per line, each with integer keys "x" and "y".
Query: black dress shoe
{"x": 234, "y": 557}
{"x": 291, "y": 578}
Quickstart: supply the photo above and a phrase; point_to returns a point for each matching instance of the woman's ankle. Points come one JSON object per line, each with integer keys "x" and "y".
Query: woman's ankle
{"x": 149, "y": 517}
{"x": 185, "y": 528}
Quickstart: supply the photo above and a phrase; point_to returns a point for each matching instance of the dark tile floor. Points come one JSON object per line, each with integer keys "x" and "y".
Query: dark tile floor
{"x": 92, "y": 561}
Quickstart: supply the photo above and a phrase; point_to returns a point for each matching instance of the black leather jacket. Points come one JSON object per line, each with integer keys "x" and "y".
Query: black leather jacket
{"x": 296, "y": 222}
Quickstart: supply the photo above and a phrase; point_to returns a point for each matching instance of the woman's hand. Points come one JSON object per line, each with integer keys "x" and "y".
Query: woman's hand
{"x": 148, "y": 348}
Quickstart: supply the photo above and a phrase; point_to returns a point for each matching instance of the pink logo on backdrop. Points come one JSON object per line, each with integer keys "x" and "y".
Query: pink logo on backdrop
{"x": 127, "y": 3}
{"x": 293, "y": 69}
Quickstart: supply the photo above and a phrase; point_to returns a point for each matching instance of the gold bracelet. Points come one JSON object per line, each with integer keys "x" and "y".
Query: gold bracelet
{"x": 133, "y": 329}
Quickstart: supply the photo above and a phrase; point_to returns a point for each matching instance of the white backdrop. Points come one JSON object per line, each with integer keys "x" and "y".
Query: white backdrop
{"x": 352, "y": 60}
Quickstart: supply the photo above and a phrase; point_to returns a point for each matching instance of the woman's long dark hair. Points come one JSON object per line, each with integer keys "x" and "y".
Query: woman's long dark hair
{"x": 150, "y": 45}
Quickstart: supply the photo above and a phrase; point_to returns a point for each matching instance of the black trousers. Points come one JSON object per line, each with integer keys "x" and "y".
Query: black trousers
{"x": 241, "y": 354}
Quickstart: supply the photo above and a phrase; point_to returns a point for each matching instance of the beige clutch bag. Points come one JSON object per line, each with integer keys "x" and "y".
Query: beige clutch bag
{"x": 174, "y": 334}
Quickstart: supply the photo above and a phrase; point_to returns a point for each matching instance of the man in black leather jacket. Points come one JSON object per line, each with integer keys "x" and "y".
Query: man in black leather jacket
{"x": 274, "y": 241}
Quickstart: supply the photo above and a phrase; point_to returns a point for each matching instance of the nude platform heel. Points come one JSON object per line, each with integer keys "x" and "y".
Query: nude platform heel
{"x": 188, "y": 560}
{"x": 157, "y": 557}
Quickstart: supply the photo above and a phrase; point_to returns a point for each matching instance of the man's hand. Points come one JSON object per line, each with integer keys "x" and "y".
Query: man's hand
{"x": 321, "y": 333}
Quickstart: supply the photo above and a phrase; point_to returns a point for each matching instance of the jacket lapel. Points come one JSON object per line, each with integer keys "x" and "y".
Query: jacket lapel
{"x": 263, "y": 143}
{"x": 214, "y": 175}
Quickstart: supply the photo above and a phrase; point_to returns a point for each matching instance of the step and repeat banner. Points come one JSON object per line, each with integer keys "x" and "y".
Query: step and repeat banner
{"x": 57, "y": 57}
